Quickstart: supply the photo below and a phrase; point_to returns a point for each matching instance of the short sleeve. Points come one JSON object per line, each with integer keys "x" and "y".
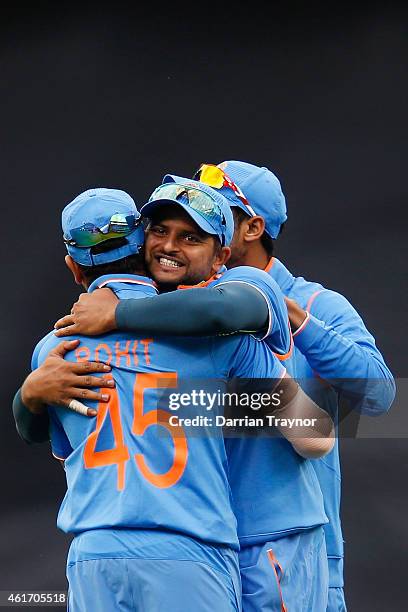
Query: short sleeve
{"x": 250, "y": 359}
{"x": 278, "y": 334}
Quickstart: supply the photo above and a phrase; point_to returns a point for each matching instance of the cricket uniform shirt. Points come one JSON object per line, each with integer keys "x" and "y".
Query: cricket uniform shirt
{"x": 333, "y": 344}
{"x": 127, "y": 468}
{"x": 275, "y": 490}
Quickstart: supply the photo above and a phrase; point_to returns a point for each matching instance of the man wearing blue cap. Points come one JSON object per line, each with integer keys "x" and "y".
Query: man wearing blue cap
{"x": 330, "y": 339}
{"x": 125, "y": 485}
{"x": 331, "y": 343}
{"x": 137, "y": 546}
{"x": 266, "y": 313}
{"x": 265, "y": 470}
{"x": 253, "y": 301}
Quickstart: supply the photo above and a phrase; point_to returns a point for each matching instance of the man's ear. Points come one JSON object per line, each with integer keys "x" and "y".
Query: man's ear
{"x": 221, "y": 257}
{"x": 75, "y": 269}
{"x": 254, "y": 228}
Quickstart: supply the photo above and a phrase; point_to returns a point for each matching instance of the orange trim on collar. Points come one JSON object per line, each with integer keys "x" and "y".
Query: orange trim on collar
{"x": 202, "y": 284}
{"x": 269, "y": 265}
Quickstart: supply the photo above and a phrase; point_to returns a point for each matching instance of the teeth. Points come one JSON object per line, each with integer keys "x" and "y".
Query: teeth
{"x": 168, "y": 262}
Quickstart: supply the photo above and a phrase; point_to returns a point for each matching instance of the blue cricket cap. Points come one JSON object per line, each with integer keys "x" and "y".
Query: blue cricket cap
{"x": 208, "y": 208}
{"x": 99, "y": 215}
{"x": 261, "y": 188}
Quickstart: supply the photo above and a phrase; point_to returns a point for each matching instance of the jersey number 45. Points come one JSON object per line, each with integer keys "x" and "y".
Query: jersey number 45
{"x": 119, "y": 454}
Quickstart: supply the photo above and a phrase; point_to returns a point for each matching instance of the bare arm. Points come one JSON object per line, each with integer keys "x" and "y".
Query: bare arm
{"x": 303, "y": 423}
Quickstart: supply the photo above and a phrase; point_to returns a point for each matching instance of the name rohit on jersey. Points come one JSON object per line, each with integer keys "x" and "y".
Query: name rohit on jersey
{"x": 121, "y": 353}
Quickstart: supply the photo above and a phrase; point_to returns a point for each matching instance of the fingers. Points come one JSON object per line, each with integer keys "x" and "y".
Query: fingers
{"x": 83, "y": 297}
{"x": 78, "y": 396}
{"x": 87, "y": 394}
{"x": 94, "y": 381}
{"x": 64, "y": 321}
{"x": 63, "y": 347}
{"x": 70, "y": 330}
{"x": 89, "y": 367}
{"x": 83, "y": 367}
{"x": 77, "y": 406}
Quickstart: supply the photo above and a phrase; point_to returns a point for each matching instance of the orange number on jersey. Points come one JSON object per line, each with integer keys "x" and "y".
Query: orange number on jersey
{"x": 119, "y": 454}
{"x": 143, "y": 421}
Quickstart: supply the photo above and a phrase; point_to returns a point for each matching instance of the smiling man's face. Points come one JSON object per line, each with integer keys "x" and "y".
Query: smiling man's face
{"x": 178, "y": 252}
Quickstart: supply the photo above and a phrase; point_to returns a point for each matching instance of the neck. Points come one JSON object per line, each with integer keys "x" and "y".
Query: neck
{"x": 256, "y": 256}
{"x": 165, "y": 288}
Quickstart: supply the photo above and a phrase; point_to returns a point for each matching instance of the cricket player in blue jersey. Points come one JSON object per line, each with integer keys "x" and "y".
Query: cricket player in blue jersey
{"x": 137, "y": 501}
{"x": 331, "y": 342}
{"x": 282, "y": 478}
{"x": 304, "y": 474}
{"x": 151, "y": 513}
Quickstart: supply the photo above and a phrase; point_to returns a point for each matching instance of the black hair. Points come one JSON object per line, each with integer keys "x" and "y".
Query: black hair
{"x": 131, "y": 264}
{"x": 239, "y": 215}
{"x": 267, "y": 242}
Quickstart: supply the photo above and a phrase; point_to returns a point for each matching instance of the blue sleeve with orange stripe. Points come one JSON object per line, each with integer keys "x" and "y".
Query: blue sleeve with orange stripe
{"x": 339, "y": 348}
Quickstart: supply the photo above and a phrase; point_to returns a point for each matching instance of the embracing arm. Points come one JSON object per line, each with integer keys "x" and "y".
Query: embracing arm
{"x": 223, "y": 309}
{"x": 311, "y": 430}
{"x": 340, "y": 349}
{"x": 220, "y": 310}
{"x": 32, "y": 427}
{"x": 56, "y": 382}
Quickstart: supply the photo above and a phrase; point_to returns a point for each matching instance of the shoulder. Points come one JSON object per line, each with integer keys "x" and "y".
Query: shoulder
{"x": 43, "y": 347}
{"x": 245, "y": 273}
{"x": 330, "y": 305}
{"x": 249, "y": 275}
{"x": 249, "y": 357}
{"x": 318, "y": 299}
{"x": 50, "y": 341}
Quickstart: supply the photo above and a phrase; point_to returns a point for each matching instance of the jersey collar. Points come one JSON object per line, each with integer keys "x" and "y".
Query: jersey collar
{"x": 132, "y": 280}
{"x": 202, "y": 284}
{"x": 280, "y": 274}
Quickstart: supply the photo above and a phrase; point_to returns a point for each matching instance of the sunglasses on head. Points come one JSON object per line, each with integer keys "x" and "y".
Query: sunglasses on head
{"x": 89, "y": 235}
{"x": 215, "y": 177}
{"x": 195, "y": 199}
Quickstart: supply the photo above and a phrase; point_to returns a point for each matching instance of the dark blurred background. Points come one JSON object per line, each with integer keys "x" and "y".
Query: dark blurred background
{"x": 96, "y": 96}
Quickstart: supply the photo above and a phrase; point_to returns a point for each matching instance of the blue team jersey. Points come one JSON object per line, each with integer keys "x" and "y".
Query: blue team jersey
{"x": 275, "y": 490}
{"x": 333, "y": 345}
{"x": 130, "y": 467}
